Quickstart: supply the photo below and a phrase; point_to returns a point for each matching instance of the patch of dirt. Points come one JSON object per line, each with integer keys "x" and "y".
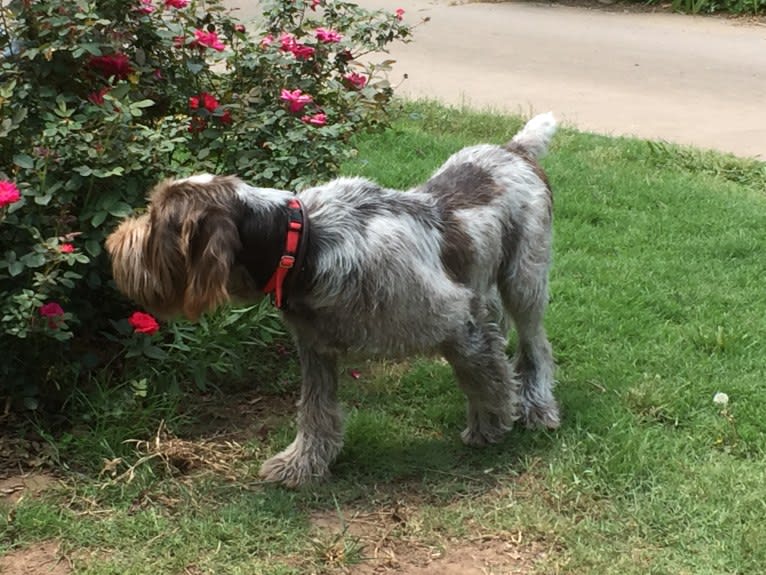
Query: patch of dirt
{"x": 395, "y": 542}
{"x": 240, "y": 416}
{"x": 19, "y": 451}
{"x": 39, "y": 559}
{"x": 14, "y": 487}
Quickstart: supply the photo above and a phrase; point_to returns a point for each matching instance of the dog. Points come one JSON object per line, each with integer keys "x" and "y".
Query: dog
{"x": 356, "y": 268}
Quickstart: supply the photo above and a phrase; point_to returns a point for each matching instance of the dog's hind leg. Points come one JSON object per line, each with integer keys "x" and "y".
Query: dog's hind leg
{"x": 525, "y": 294}
{"x": 482, "y": 369}
{"x": 320, "y": 425}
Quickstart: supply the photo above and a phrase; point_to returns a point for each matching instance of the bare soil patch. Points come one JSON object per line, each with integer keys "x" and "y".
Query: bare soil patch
{"x": 20, "y": 451}
{"x": 43, "y": 558}
{"x": 14, "y": 487}
{"x": 395, "y": 541}
{"x": 240, "y": 416}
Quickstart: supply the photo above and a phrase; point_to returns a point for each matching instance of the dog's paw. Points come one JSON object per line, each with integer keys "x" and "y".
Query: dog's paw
{"x": 474, "y": 438}
{"x": 482, "y": 435}
{"x": 541, "y": 416}
{"x": 288, "y": 470}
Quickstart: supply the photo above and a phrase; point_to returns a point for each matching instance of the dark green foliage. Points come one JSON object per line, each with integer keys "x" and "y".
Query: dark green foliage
{"x": 100, "y": 100}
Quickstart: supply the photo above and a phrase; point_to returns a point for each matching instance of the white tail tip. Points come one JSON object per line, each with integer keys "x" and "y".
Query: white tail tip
{"x": 536, "y": 135}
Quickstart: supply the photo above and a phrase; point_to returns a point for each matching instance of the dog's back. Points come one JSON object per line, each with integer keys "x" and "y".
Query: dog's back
{"x": 397, "y": 271}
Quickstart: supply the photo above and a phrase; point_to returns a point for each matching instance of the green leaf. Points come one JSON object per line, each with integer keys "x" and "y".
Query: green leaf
{"x": 120, "y": 210}
{"x": 93, "y": 247}
{"x": 20, "y": 115}
{"x": 16, "y": 268}
{"x": 84, "y": 171}
{"x": 98, "y": 219}
{"x": 33, "y": 260}
{"x": 194, "y": 68}
{"x": 115, "y": 171}
{"x": 143, "y": 104}
{"x": 43, "y": 200}
{"x": 154, "y": 352}
{"x": 24, "y": 161}
{"x": 31, "y": 403}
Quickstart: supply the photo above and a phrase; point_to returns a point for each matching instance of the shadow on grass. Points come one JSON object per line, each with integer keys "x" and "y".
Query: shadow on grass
{"x": 433, "y": 469}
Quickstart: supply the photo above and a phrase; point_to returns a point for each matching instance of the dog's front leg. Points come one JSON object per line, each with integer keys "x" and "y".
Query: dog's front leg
{"x": 320, "y": 425}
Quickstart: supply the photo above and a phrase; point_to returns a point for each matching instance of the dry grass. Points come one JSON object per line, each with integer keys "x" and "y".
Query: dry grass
{"x": 220, "y": 456}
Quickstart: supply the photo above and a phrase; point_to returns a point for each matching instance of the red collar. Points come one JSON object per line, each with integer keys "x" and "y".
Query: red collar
{"x": 297, "y": 227}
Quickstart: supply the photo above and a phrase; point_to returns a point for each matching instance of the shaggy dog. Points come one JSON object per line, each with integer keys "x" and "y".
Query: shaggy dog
{"x": 357, "y": 268}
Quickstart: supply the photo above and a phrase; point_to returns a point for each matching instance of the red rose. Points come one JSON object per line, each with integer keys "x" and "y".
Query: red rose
{"x": 355, "y": 80}
{"x": 143, "y": 323}
{"x": 51, "y": 309}
{"x": 209, "y": 101}
{"x": 53, "y": 312}
{"x": 117, "y": 65}
{"x": 98, "y": 97}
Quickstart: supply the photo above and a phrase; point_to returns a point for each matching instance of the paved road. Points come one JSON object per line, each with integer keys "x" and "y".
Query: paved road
{"x": 691, "y": 80}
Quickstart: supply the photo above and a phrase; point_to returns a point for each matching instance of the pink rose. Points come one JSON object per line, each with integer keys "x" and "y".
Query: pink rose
{"x": 209, "y": 39}
{"x": 302, "y": 52}
{"x": 319, "y": 119}
{"x": 9, "y": 193}
{"x": 146, "y": 7}
{"x": 267, "y": 40}
{"x": 288, "y": 43}
{"x": 327, "y": 36}
{"x": 296, "y": 100}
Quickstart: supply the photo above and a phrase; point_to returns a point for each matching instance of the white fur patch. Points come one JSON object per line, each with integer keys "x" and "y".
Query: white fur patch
{"x": 199, "y": 179}
{"x": 255, "y": 197}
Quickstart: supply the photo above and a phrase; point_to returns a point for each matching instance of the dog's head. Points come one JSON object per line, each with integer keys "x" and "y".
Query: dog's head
{"x": 178, "y": 256}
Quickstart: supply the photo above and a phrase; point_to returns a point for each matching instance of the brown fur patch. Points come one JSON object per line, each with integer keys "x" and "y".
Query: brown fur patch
{"x": 457, "y": 188}
{"x": 463, "y": 187}
{"x": 457, "y": 249}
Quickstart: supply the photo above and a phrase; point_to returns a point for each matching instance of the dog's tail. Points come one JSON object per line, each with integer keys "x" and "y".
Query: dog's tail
{"x": 534, "y": 137}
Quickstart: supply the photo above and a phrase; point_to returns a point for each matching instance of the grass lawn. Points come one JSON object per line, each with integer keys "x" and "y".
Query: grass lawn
{"x": 657, "y": 305}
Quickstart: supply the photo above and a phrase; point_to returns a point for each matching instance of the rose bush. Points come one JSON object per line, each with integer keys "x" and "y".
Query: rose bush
{"x": 101, "y": 99}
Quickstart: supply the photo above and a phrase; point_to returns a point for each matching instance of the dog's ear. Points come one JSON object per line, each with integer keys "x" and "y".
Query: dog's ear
{"x": 125, "y": 246}
{"x": 211, "y": 243}
{"x": 165, "y": 257}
